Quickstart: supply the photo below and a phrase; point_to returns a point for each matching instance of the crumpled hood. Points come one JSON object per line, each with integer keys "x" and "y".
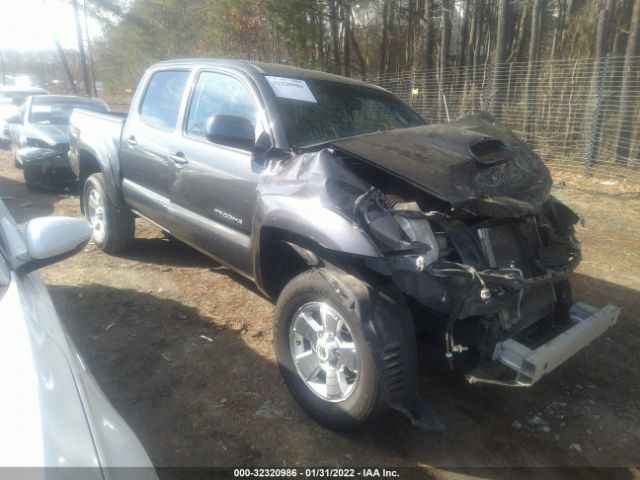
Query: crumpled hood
{"x": 50, "y": 134}
{"x": 473, "y": 162}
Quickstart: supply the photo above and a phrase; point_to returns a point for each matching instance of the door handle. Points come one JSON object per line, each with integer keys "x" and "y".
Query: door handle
{"x": 178, "y": 158}
{"x": 131, "y": 140}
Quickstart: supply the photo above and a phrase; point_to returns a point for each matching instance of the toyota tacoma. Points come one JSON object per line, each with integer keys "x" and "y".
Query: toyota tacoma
{"x": 364, "y": 224}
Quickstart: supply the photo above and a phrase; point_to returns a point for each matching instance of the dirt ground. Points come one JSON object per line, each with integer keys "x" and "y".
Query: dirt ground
{"x": 182, "y": 348}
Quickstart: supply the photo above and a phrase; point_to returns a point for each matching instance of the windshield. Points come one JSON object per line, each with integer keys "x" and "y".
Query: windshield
{"x": 47, "y": 111}
{"x": 336, "y": 110}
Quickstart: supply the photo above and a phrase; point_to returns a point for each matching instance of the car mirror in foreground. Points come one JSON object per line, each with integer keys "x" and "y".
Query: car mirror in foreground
{"x": 14, "y": 120}
{"x": 51, "y": 239}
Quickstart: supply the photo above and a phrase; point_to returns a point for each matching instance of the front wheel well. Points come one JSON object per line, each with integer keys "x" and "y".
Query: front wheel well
{"x": 279, "y": 261}
{"x": 284, "y": 255}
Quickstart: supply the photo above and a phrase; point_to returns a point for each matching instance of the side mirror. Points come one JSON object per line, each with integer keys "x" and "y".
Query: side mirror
{"x": 231, "y": 130}
{"x": 14, "y": 120}
{"x": 51, "y": 239}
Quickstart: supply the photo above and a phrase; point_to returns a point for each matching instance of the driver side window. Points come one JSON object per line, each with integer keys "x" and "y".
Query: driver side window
{"x": 215, "y": 94}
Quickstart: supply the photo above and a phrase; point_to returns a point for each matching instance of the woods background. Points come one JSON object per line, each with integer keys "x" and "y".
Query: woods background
{"x": 562, "y": 73}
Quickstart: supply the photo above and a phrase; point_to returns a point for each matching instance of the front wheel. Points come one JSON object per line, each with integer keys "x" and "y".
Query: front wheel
{"x": 30, "y": 178}
{"x": 323, "y": 355}
{"x": 113, "y": 227}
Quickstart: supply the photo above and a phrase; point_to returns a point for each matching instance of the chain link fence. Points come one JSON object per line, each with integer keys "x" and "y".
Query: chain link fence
{"x": 570, "y": 111}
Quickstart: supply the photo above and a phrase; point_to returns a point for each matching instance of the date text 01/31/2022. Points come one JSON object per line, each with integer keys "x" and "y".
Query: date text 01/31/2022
{"x": 316, "y": 472}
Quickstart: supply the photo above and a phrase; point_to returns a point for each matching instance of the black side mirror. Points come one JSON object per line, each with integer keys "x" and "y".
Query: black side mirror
{"x": 231, "y": 130}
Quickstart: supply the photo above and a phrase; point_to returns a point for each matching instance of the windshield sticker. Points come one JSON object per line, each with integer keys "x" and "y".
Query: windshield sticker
{"x": 40, "y": 108}
{"x": 291, "y": 88}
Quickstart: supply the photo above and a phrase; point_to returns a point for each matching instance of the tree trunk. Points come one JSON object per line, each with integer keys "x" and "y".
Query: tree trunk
{"x": 356, "y": 49}
{"x": 516, "y": 54}
{"x": 335, "y": 34}
{"x": 627, "y": 103}
{"x": 83, "y": 59}
{"x": 346, "y": 12}
{"x": 532, "y": 70}
{"x": 464, "y": 32}
{"x": 500, "y": 56}
{"x": 445, "y": 44}
{"x": 602, "y": 40}
{"x": 428, "y": 40}
{"x": 65, "y": 65}
{"x": 385, "y": 36}
{"x": 478, "y": 41}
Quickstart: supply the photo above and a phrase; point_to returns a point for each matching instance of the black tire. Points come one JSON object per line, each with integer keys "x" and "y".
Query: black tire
{"x": 30, "y": 179}
{"x": 118, "y": 224}
{"x": 363, "y": 406}
{"x": 16, "y": 164}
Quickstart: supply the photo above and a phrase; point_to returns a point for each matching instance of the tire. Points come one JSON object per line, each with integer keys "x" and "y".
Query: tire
{"x": 113, "y": 227}
{"x": 358, "y": 405}
{"x": 30, "y": 179}
{"x": 16, "y": 163}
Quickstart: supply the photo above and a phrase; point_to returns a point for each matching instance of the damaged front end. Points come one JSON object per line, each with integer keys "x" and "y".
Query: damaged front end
{"x": 459, "y": 218}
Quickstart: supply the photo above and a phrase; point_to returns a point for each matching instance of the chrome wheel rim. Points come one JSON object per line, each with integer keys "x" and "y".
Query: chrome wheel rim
{"x": 324, "y": 351}
{"x": 96, "y": 214}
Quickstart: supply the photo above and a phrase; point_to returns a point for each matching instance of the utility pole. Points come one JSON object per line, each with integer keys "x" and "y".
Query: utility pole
{"x": 83, "y": 59}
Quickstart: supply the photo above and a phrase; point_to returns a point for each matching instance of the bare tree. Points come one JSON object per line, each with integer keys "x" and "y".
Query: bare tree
{"x": 346, "y": 14}
{"x": 445, "y": 46}
{"x": 532, "y": 68}
{"x": 627, "y": 106}
{"x": 499, "y": 58}
{"x": 335, "y": 34}
{"x": 83, "y": 59}
{"x": 385, "y": 37}
{"x": 428, "y": 35}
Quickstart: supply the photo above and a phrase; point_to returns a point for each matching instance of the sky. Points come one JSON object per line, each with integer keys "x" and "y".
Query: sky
{"x": 29, "y": 24}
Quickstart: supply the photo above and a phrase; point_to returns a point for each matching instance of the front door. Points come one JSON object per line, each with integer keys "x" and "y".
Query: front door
{"x": 214, "y": 192}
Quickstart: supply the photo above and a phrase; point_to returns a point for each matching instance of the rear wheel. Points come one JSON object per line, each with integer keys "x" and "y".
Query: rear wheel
{"x": 113, "y": 227}
{"x": 323, "y": 356}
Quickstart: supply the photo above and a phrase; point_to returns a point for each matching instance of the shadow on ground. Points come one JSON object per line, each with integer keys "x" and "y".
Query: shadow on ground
{"x": 177, "y": 378}
{"x": 24, "y": 204}
{"x": 172, "y": 252}
{"x": 196, "y": 402}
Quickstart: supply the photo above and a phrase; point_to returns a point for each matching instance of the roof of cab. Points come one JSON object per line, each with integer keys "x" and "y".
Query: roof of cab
{"x": 260, "y": 68}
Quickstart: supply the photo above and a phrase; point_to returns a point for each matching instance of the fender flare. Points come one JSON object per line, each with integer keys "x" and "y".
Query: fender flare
{"x": 109, "y": 167}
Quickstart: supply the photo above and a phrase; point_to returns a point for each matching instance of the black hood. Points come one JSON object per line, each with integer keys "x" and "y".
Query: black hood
{"x": 50, "y": 134}
{"x": 473, "y": 163}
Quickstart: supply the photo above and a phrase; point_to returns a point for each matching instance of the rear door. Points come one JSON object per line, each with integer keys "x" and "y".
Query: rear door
{"x": 214, "y": 192}
{"x": 148, "y": 140}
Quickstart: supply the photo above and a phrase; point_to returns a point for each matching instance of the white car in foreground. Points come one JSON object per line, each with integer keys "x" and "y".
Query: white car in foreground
{"x": 52, "y": 411}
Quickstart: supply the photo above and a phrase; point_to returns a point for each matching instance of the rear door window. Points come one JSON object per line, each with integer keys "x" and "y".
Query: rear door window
{"x": 161, "y": 103}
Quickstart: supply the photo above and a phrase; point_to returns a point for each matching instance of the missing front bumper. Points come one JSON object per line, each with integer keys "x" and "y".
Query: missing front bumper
{"x": 530, "y": 365}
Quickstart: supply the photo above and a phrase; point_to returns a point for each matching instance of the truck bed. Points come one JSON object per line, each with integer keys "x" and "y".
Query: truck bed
{"x": 98, "y": 130}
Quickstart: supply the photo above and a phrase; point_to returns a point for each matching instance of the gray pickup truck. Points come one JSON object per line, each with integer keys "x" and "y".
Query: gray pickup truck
{"x": 368, "y": 227}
